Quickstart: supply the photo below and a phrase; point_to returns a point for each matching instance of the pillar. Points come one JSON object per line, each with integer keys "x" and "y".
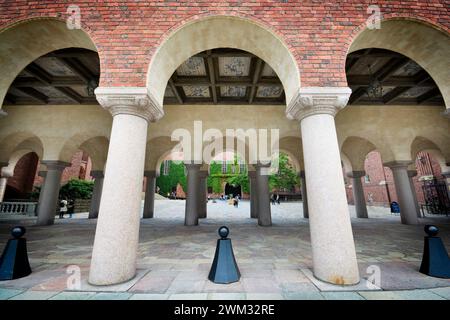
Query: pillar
{"x": 408, "y": 214}
{"x": 50, "y": 192}
{"x": 304, "y": 194}
{"x": 3, "y": 180}
{"x": 447, "y": 181}
{"x": 253, "y": 195}
{"x": 263, "y": 195}
{"x": 333, "y": 248}
{"x": 116, "y": 238}
{"x": 203, "y": 194}
{"x": 191, "y": 209}
{"x": 150, "y": 189}
{"x": 42, "y": 174}
{"x": 358, "y": 193}
{"x": 96, "y": 194}
{"x": 411, "y": 175}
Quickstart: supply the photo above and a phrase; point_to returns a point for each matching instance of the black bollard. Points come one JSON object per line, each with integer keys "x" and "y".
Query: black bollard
{"x": 224, "y": 268}
{"x": 14, "y": 260}
{"x": 435, "y": 260}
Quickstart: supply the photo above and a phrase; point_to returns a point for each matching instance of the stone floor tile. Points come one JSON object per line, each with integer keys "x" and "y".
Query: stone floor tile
{"x": 149, "y": 296}
{"x": 226, "y": 296}
{"x": 264, "y": 296}
{"x": 443, "y": 292}
{"x": 341, "y": 295}
{"x": 34, "y": 295}
{"x": 188, "y": 296}
{"x": 111, "y": 296}
{"x": 8, "y": 293}
{"x": 73, "y": 295}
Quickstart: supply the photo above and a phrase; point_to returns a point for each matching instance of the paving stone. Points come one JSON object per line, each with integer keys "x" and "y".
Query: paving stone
{"x": 306, "y": 295}
{"x": 73, "y": 295}
{"x": 443, "y": 292}
{"x": 189, "y": 296}
{"x": 34, "y": 295}
{"x": 8, "y": 293}
{"x": 149, "y": 296}
{"x": 421, "y": 294}
{"x": 341, "y": 296}
{"x": 226, "y": 296}
{"x": 111, "y": 296}
{"x": 264, "y": 296}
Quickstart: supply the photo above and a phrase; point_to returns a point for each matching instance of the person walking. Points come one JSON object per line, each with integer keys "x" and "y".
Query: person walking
{"x": 277, "y": 198}
{"x": 62, "y": 208}
{"x": 71, "y": 207}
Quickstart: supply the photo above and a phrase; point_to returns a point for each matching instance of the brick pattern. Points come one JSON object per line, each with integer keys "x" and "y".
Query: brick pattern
{"x": 318, "y": 33}
{"x": 376, "y": 187}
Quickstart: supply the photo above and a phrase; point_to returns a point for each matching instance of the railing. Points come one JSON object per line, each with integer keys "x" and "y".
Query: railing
{"x": 23, "y": 208}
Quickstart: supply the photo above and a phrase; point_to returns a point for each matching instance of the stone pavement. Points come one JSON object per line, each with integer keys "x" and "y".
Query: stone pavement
{"x": 275, "y": 262}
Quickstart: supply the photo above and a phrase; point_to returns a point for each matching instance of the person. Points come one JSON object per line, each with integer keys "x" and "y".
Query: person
{"x": 71, "y": 207}
{"x": 62, "y": 208}
{"x": 272, "y": 198}
{"x": 236, "y": 202}
{"x": 277, "y": 198}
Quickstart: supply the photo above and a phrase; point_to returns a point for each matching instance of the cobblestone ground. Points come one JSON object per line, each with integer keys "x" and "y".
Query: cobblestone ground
{"x": 275, "y": 262}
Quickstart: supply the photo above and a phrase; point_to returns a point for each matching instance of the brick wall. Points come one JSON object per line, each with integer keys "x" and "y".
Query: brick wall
{"x": 318, "y": 33}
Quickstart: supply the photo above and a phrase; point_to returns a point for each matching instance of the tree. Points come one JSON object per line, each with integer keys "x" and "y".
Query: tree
{"x": 286, "y": 178}
{"x": 77, "y": 189}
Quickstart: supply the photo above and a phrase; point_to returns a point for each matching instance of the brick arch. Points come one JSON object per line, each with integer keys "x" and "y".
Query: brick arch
{"x": 397, "y": 33}
{"x": 31, "y": 38}
{"x": 242, "y": 33}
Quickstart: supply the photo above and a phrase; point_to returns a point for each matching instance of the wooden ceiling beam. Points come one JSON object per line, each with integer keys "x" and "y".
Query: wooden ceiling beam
{"x": 70, "y": 93}
{"x": 175, "y": 91}
{"x": 394, "y": 94}
{"x": 33, "y": 93}
{"x": 393, "y": 81}
{"x": 77, "y": 67}
{"x": 256, "y": 77}
{"x": 356, "y": 95}
{"x": 433, "y": 93}
{"x": 212, "y": 74}
{"x": 390, "y": 67}
{"x": 39, "y": 73}
{"x": 54, "y": 81}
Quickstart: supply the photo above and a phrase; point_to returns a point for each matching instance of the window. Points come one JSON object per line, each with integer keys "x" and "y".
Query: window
{"x": 166, "y": 167}
{"x": 367, "y": 178}
{"x": 224, "y": 166}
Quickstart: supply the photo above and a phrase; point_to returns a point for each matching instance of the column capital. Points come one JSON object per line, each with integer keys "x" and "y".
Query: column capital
{"x": 251, "y": 174}
{"x": 317, "y": 100}
{"x": 137, "y": 101}
{"x": 402, "y": 164}
{"x": 42, "y": 173}
{"x": 3, "y": 113}
{"x": 55, "y": 164}
{"x": 192, "y": 165}
{"x": 150, "y": 173}
{"x": 356, "y": 174}
{"x": 97, "y": 174}
{"x": 412, "y": 173}
{"x": 262, "y": 165}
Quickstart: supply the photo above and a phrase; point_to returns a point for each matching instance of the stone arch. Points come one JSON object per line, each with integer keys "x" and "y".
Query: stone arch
{"x": 292, "y": 146}
{"x": 15, "y": 144}
{"x": 346, "y": 163}
{"x": 27, "y": 40}
{"x": 422, "y": 144}
{"x": 157, "y": 150}
{"x": 96, "y": 146}
{"x": 208, "y": 33}
{"x": 356, "y": 150}
{"x": 426, "y": 44}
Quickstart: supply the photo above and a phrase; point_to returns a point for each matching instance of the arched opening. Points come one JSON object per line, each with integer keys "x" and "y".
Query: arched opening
{"x": 233, "y": 191}
{"x": 207, "y": 34}
{"x": 425, "y": 45}
{"x": 20, "y": 185}
{"x": 31, "y": 40}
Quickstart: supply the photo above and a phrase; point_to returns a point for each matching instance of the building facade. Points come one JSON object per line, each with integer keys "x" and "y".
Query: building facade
{"x": 337, "y": 80}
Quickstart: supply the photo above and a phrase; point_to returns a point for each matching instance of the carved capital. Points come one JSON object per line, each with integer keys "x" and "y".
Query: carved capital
{"x": 412, "y": 173}
{"x": 130, "y": 100}
{"x": 150, "y": 173}
{"x": 55, "y": 165}
{"x": 3, "y": 113}
{"x": 317, "y": 100}
{"x": 356, "y": 174}
{"x": 397, "y": 165}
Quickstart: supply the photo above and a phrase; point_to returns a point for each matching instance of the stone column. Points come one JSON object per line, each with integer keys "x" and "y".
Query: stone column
{"x": 253, "y": 195}
{"x": 202, "y": 194}
{"x": 263, "y": 195}
{"x": 411, "y": 175}
{"x": 447, "y": 180}
{"x": 333, "y": 248}
{"x": 191, "y": 210}
{"x": 304, "y": 194}
{"x": 96, "y": 194}
{"x": 358, "y": 193}
{"x": 149, "y": 202}
{"x": 116, "y": 238}
{"x": 405, "y": 195}
{"x": 3, "y": 180}
{"x": 50, "y": 192}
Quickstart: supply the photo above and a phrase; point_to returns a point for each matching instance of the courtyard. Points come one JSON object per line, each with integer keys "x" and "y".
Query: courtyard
{"x": 275, "y": 262}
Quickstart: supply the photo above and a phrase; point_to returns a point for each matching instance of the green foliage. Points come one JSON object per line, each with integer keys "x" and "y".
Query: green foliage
{"x": 215, "y": 182}
{"x": 175, "y": 176}
{"x": 77, "y": 189}
{"x": 286, "y": 178}
{"x": 240, "y": 180}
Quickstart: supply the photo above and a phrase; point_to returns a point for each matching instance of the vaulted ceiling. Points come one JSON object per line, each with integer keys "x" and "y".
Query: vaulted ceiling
{"x": 402, "y": 80}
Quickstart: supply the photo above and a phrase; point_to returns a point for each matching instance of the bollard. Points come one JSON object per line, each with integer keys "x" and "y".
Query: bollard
{"x": 14, "y": 260}
{"x": 435, "y": 260}
{"x": 224, "y": 268}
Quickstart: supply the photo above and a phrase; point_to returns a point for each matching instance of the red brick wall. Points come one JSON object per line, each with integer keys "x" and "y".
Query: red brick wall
{"x": 21, "y": 183}
{"x": 318, "y": 33}
{"x": 374, "y": 168}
